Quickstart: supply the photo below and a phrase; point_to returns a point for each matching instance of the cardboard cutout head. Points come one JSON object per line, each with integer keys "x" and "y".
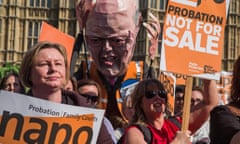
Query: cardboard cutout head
{"x": 111, "y": 29}
{"x": 118, "y": 14}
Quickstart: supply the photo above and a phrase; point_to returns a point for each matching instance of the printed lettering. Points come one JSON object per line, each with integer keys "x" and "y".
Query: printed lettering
{"x": 33, "y": 134}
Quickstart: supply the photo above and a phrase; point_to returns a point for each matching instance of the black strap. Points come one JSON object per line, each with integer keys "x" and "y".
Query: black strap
{"x": 175, "y": 121}
{"x": 146, "y": 133}
{"x": 149, "y": 73}
{"x": 75, "y": 52}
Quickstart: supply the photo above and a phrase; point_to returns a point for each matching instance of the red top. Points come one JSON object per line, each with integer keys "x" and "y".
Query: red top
{"x": 165, "y": 135}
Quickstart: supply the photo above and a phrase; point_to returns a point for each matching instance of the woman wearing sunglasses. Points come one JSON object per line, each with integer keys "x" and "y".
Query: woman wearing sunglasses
{"x": 149, "y": 103}
{"x": 91, "y": 91}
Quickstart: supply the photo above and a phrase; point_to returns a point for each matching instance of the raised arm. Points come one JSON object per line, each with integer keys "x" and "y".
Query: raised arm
{"x": 201, "y": 112}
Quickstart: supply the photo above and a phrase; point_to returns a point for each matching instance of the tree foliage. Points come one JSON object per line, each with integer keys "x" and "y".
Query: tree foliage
{"x": 8, "y": 68}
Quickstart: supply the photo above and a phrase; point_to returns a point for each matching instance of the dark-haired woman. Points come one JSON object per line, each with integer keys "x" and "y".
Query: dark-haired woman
{"x": 11, "y": 82}
{"x": 225, "y": 119}
{"x": 149, "y": 103}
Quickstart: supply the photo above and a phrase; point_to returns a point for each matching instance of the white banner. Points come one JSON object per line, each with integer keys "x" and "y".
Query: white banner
{"x": 25, "y": 119}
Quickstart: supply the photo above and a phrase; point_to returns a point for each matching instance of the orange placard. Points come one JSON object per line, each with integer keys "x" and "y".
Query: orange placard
{"x": 16, "y": 128}
{"x": 50, "y": 33}
{"x": 169, "y": 83}
{"x": 180, "y": 79}
{"x": 193, "y": 37}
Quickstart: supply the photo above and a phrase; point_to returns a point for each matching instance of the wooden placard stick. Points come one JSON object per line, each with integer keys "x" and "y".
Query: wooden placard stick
{"x": 187, "y": 103}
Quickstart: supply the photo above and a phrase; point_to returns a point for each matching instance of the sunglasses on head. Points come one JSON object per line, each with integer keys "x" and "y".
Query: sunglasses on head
{"x": 160, "y": 93}
{"x": 93, "y": 98}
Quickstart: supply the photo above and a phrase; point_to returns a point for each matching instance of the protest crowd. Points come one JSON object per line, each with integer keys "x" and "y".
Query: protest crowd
{"x": 134, "y": 99}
